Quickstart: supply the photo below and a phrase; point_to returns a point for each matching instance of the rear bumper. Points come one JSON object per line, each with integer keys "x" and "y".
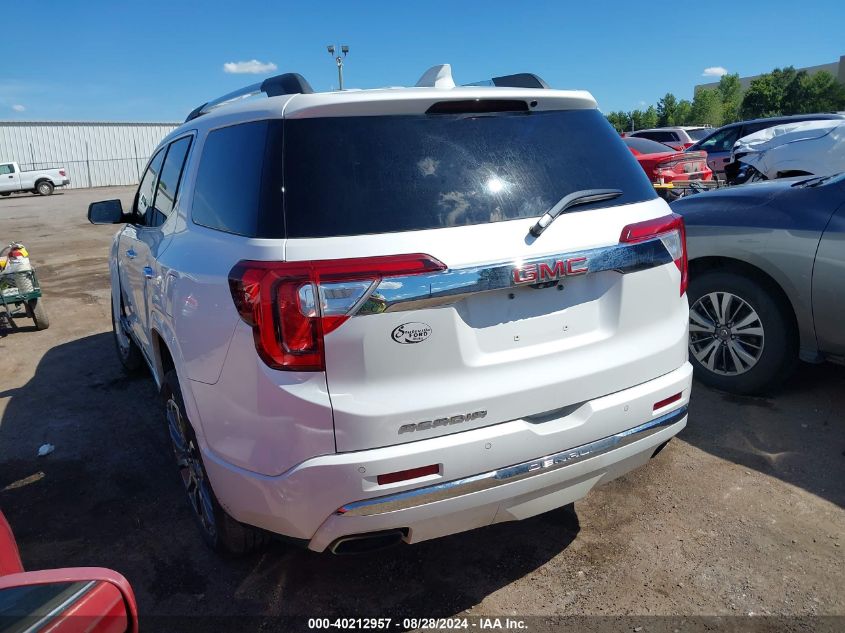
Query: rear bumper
{"x": 510, "y": 474}
{"x": 488, "y": 475}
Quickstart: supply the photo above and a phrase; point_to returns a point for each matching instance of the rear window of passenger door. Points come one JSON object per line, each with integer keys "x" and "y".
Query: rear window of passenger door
{"x": 168, "y": 185}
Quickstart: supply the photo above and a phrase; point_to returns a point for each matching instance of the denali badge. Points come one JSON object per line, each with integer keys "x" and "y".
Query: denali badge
{"x": 411, "y": 333}
{"x": 551, "y": 270}
{"x": 433, "y": 424}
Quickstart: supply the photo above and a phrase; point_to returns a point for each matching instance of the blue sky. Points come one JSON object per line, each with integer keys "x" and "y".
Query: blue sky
{"x": 155, "y": 61}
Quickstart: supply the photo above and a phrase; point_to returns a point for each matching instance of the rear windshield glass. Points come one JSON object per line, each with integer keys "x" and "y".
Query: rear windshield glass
{"x": 699, "y": 134}
{"x": 380, "y": 174}
{"x": 645, "y": 146}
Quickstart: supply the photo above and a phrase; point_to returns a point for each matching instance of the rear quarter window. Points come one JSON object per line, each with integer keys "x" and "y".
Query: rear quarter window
{"x": 238, "y": 188}
{"x": 382, "y": 174}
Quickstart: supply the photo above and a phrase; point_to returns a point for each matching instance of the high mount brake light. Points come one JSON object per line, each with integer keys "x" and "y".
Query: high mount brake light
{"x": 670, "y": 229}
{"x": 291, "y": 306}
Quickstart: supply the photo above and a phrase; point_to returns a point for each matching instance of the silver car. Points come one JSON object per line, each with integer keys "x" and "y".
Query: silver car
{"x": 766, "y": 267}
{"x": 719, "y": 143}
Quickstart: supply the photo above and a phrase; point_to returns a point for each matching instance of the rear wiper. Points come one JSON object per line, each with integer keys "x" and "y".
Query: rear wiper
{"x": 574, "y": 199}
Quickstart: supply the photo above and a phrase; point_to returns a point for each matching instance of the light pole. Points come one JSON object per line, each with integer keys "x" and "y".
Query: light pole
{"x": 339, "y": 60}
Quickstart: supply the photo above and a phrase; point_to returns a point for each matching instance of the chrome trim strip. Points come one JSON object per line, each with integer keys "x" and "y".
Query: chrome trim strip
{"x": 476, "y": 483}
{"x": 413, "y": 292}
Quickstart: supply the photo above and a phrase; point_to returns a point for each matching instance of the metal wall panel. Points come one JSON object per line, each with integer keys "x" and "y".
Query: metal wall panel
{"x": 95, "y": 154}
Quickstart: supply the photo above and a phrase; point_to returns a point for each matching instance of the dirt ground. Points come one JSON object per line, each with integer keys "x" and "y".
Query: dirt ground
{"x": 741, "y": 514}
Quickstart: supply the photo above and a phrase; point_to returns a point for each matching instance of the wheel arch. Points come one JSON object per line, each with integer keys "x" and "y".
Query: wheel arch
{"x": 705, "y": 264}
{"x": 166, "y": 355}
{"x": 162, "y": 356}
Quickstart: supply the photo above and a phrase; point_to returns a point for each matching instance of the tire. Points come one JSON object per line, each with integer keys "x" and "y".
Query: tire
{"x": 39, "y": 314}
{"x": 44, "y": 188}
{"x": 127, "y": 351}
{"x": 222, "y": 533}
{"x": 742, "y": 334}
{"x": 5, "y": 193}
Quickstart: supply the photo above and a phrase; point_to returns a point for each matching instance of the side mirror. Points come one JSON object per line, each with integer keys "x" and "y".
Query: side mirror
{"x": 106, "y": 212}
{"x": 79, "y": 599}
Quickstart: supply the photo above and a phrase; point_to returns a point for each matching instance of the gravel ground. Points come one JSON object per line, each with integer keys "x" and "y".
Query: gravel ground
{"x": 741, "y": 514}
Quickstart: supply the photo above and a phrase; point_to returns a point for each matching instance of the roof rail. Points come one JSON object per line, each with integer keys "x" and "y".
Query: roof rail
{"x": 518, "y": 80}
{"x": 285, "y": 84}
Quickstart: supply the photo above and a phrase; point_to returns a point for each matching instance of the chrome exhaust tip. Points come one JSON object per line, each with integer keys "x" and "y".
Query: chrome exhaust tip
{"x": 369, "y": 542}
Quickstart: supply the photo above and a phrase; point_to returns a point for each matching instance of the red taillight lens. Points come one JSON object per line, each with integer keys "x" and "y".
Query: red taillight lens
{"x": 291, "y": 306}
{"x": 670, "y": 229}
{"x": 412, "y": 473}
{"x": 62, "y": 172}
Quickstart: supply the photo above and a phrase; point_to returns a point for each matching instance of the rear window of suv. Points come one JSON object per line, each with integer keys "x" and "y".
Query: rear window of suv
{"x": 380, "y": 174}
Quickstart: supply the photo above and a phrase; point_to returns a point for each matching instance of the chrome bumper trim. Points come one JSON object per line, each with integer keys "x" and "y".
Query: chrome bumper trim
{"x": 395, "y": 294}
{"x": 509, "y": 474}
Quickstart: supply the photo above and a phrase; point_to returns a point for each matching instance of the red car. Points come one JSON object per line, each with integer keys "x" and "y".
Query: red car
{"x": 661, "y": 161}
{"x": 73, "y": 600}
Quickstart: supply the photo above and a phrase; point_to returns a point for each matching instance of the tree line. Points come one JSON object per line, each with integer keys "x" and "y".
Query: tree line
{"x": 780, "y": 92}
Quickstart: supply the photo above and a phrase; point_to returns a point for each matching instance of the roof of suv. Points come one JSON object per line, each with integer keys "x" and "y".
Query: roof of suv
{"x": 673, "y": 127}
{"x": 374, "y": 102}
{"x": 790, "y": 117}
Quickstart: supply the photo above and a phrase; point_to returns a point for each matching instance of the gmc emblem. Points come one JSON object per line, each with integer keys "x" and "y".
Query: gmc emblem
{"x": 549, "y": 271}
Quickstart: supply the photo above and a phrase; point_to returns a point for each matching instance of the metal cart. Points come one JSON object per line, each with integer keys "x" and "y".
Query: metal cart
{"x": 20, "y": 294}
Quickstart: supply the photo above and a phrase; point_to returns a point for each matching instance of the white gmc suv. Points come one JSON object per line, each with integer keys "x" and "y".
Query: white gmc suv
{"x": 391, "y": 315}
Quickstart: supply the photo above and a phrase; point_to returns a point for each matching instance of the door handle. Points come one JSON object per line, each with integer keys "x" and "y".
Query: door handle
{"x": 148, "y": 272}
{"x": 131, "y": 254}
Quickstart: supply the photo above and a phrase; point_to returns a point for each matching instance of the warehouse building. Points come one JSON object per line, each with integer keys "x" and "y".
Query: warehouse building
{"x": 837, "y": 69}
{"x": 96, "y": 154}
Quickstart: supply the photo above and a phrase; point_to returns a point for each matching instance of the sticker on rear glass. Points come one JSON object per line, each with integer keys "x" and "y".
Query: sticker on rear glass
{"x": 411, "y": 333}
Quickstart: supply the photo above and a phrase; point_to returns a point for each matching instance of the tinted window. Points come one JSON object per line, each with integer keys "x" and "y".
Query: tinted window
{"x": 146, "y": 191}
{"x": 168, "y": 184}
{"x": 645, "y": 146}
{"x": 228, "y": 192}
{"x": 377, "y": 174}
{"x": 7, "y": 169}
{"x": 721, "y": 141}
{"x": 657, "y": 136}
{"x": 699, "y": 134}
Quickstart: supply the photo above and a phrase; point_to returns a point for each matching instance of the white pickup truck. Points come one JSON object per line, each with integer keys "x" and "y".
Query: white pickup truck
{"x": 41, "y": 181}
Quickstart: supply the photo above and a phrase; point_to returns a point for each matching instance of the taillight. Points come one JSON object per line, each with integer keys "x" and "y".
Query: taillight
{"x": 291, "y": 306}
{"x": 670, "y": 229}
{"x": 62, "y": 172}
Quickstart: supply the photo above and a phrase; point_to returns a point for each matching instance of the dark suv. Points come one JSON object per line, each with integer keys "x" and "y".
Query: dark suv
{"x": 720, "y": 142}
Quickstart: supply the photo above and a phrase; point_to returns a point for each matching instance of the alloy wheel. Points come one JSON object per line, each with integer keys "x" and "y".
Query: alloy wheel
{"x": 726, "y": 333}
{"x": 190, "y": 468}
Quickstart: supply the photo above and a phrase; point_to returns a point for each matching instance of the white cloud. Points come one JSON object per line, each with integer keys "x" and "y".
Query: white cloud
{"x": 252, "y": 67}
{"x": 714, "y": 71}
{"x": 18, "y": 107}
